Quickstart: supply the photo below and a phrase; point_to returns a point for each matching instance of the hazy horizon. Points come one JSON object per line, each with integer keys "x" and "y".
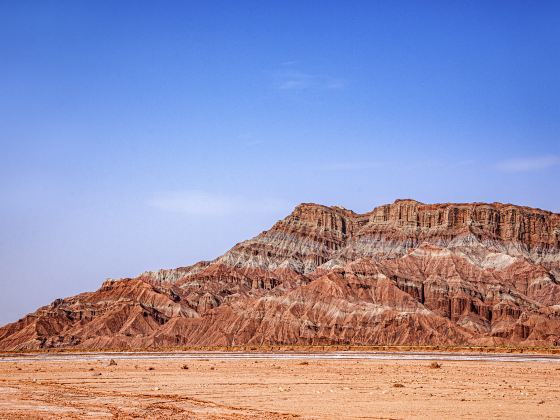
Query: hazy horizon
{"x": 137, "y": 136}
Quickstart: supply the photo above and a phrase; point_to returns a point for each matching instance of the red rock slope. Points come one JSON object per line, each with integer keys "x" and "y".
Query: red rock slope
{"x": 405, "y": 273}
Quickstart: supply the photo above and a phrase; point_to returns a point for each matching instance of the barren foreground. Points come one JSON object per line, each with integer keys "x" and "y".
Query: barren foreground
{"x": 83, "y": 387}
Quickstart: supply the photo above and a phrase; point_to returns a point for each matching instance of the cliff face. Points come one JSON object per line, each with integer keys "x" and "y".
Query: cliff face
{"x": 404, "y": 273}
{"x": 313, "y": 235}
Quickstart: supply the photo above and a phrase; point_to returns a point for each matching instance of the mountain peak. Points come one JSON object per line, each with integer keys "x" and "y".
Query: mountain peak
{"x": 406, "y": 200}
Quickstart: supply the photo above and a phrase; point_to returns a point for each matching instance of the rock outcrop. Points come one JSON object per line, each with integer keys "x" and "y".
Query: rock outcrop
{"x": 404, "y": 273}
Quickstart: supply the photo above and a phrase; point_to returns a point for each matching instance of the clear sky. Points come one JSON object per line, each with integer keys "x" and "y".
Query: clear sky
{"x": 142, "y": 135}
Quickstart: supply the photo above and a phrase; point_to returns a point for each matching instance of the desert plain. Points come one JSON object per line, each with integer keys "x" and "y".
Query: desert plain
{"x": 129, "y": 387}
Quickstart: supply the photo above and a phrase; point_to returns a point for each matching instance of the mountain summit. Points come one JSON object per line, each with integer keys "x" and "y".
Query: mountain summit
{"x": 404, "y": 273}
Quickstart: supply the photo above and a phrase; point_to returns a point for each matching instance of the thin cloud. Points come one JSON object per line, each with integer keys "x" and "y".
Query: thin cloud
{"x": 528, "y": 164}
{"x": 351, "y": 166}
{"x": 248, "y": 139}
{"x": 365, "y": 165}
{"x": 295, "y": 80}
{"x": 253, "y": 142}
{"x": 199, "y": 203}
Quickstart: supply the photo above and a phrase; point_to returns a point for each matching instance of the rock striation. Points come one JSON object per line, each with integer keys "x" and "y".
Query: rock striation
{"x": 404, "y": 273}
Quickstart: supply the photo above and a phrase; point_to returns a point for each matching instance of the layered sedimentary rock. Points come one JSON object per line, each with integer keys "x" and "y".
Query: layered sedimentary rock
{"x": 404, "y": 273}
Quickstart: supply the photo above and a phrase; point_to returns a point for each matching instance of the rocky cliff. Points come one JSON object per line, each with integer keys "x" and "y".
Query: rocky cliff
{"x": 404, "y": 273}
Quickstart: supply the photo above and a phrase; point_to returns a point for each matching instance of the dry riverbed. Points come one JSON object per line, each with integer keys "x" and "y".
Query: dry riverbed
{"x": 271, "y": 389}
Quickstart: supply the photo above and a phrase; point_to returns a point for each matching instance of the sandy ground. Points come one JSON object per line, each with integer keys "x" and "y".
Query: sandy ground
{"x": 270, "y": 389}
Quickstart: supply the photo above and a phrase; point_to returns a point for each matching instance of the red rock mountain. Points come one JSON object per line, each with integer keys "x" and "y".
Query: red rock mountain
{"x": 404, "y": 273}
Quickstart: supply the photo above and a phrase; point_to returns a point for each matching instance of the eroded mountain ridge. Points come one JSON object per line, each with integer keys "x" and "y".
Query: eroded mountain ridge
{"x": 404, "y": 273}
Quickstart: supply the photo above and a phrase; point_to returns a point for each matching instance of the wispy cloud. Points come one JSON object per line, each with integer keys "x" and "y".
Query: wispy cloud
{"x": 248, "y": 139}
{"x": 254, "y": 142}
{"x": 289, "y": 79}
{"x": 200, "y": 203}
{"x": 351, "y": 166}
{"x": 528, "y": 164}
{"x": 410, "y": 165}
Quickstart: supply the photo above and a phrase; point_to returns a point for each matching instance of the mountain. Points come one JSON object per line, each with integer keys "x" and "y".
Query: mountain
{"x": 404, "y": 273}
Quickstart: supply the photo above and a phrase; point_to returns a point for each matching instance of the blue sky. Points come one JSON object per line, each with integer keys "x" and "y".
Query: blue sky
{"x": 141, "y": 135}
